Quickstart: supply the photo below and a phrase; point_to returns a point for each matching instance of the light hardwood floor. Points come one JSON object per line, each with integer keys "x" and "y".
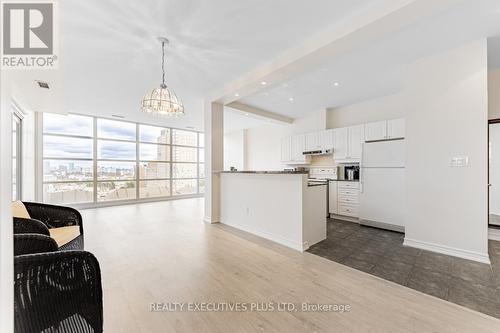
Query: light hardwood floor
{"x": 163, "y": 252}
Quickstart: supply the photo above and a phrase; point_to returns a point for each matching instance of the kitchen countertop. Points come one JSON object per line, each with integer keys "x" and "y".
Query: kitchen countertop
{"x": 270, "y": 172}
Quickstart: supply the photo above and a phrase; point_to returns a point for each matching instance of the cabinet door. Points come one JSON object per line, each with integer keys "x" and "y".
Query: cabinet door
{"x": 340, "y": 143}
{"x": 332, "y": 198}
{"x": 376, "y": 131}
{"x": 312, "y": 141}
{"x": 298, "y": 148}
{"x": 396, "y": 128}
{"x": 326, "y": 139}
{"x": 286, "y": 149}
{"x": 356, "y": 139}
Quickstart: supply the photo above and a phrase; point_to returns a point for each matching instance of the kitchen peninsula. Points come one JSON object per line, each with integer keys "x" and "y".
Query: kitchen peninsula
{"x": 276, "y": 205}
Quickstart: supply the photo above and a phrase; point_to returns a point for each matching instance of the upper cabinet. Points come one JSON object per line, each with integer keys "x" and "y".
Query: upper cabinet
{"x": 292, "y": 149}
{"x": 340, "y": 143}
{"x": 298, "y": 148}
{"x": 385, "y": 130}
{"x": 312, "y": 141}
{"x": 348, "y": 143}
{"x": 356, "y": 139}
{"x": 326, "y": 139}
{"x": 376, "y": 131}
{"x": 322, "y": 140}
{"x": 396, "y": 128}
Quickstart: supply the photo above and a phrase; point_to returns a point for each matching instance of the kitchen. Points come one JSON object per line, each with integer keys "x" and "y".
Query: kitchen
{"x": 360, "y": 169}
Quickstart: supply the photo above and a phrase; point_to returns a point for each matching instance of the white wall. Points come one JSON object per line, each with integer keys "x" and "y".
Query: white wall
{"x": 263, "y": 147}
{"x": 387, "y": 107}
{"x": 494, "y": 93}
{"x": 445, "y": 102}
{"x": 234, "y": 150}
{"x": 447, "y": 116}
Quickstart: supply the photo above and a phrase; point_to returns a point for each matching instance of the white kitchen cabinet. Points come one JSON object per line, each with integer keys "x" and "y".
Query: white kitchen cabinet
{"x": 376, "y": 131}
{"x": 344, "y": 198}
{"x": 286, "y": 149}
{"x": 340, "y": 143}
{"x": 313, "y": 141}
{"x": 348, "y": 143}
{"x": 356, "y": 138}
{"x": 326, "y": 139}
{"x": 385, "y": 130}
{"x": 298, "y": 148}
{"x": 396, "y": 128}
{"x": 332, "y": 198}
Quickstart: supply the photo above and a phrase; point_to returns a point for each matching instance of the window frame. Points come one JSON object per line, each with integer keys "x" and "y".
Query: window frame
{"x": 137, "y": 162}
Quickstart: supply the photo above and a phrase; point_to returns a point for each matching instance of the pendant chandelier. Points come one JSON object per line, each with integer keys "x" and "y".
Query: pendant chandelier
{"x": 161, "y": 101}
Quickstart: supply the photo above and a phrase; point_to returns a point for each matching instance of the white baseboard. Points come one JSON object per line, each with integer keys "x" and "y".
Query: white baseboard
{"x": 208, "y": 219}
{"x": 296, "y": 245}
{"x": 494, "y": 234}
{"x": 448, "y": 250}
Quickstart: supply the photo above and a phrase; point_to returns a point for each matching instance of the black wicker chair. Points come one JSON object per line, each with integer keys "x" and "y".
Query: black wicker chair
{"x": 45, "y": 217}
{"x": 55, "y": 291}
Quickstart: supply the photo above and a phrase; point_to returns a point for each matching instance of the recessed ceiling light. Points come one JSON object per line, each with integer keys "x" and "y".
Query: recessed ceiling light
{"x": 263, "y": 83}
{"x": 236, "y": 95}
{"x": 336, "y": 84}
{"x": 291, "y": 99}
{"x": 247, "y": 114}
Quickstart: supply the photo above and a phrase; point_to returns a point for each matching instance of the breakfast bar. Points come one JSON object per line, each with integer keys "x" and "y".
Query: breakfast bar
{"x": 276, "y": 205}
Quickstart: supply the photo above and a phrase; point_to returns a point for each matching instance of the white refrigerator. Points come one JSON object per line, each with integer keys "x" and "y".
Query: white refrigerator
{"x": 382, "y": 191}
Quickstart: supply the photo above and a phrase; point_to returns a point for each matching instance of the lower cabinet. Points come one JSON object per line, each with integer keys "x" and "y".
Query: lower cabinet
{"x": 344, "y": 198}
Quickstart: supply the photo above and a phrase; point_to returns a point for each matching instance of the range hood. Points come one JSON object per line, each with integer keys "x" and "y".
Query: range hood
{"x": 318, "y": 152}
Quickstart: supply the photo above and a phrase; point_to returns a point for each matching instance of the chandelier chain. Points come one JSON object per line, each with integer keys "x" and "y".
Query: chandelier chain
{"x": 163, "y": 63}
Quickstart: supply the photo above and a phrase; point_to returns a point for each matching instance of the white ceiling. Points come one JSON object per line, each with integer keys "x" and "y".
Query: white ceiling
{"x": 377, "y": 68}
{"x": 110, "y": 56}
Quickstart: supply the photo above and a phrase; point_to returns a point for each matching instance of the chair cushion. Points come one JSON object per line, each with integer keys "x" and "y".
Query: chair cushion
{"x": 19, "y": 210}
{"x": 64, "y": 235}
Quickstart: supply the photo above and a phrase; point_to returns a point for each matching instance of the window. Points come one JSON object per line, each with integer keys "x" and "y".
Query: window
{"x": 88, "y": 160}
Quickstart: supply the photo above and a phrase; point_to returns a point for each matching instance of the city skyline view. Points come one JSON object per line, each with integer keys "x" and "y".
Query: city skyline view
{"x": 132, "y": 161}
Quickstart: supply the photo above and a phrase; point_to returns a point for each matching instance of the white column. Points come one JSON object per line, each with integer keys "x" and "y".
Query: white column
{"x": 214, "y": 158}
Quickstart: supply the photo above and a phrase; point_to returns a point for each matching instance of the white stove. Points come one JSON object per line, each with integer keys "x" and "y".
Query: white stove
{"x": 323, "y": 174}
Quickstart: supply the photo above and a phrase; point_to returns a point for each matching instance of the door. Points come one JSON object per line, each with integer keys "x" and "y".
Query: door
{"x": 340, "y": 142}
{"x": 16, "y": 157}
{"x": 356, "y": 138}
{"x": 494, "y": 173}
{"x": 376, "y": 131}
{"x": 396, "y": 128}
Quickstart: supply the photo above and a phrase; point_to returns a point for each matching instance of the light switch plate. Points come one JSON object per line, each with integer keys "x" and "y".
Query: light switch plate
{"x": 459, "y": 161}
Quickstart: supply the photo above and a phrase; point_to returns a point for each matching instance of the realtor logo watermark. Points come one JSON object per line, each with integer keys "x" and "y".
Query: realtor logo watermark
{"x": 29, "y": 37}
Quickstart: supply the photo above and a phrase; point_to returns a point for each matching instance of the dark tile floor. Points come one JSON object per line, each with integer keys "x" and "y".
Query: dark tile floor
{"x": 381, "y": 253}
